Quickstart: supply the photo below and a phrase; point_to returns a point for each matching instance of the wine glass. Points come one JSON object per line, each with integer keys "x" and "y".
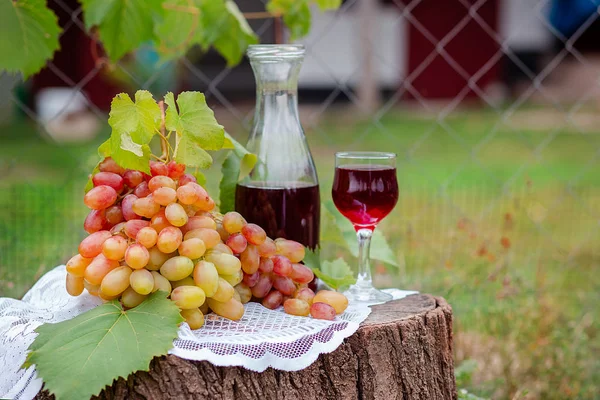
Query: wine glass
{"x": 365, "y": 190}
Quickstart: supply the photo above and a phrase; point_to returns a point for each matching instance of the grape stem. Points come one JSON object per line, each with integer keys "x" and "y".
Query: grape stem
{"x": 164, "y": 145}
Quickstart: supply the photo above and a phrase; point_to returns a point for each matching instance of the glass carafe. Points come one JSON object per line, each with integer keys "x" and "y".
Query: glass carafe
{"x": 281, "y": 194}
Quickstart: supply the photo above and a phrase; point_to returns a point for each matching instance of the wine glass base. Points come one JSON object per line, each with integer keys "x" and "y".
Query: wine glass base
{"x": 368, "y": 295}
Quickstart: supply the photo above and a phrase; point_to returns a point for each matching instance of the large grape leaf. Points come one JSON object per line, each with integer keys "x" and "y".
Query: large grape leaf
{"x": 30, "y": 35}
{"x": 179, "y": 29}
{"x": 335, "y": 274}
{"x": 296, "y": 15}
{"x": 225, "y": 28}
{"x": 237, "y": 166}
{"x": 78, "y": 357}
{"x": 123, "y": 25}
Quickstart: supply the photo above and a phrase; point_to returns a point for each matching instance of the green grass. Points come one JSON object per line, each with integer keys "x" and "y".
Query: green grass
{"x": 504, "y": 226}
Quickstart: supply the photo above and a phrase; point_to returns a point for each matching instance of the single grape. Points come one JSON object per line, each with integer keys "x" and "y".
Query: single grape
{"x": 114, "y": 215}
{"x": 130, "y": 298}
{"x": 110, "y": 165}
{"x": 244, "y": 291}
{"x": 158, "y": 168}
{"x": 161, "y": 181}
{"x": 164, "y": 196}
{"x": 296, "y": 307}
{"x": 142, "y": 281}
{"x": 284, "y": 284}
{"x": 210, "y": 237}
{"x": 251, "y": 279}
{"x": 192, "y": 248}
{"x": 142, "y": 190}
{"x": 194, "y": 318}
{"x": 133, "y": 226}
{"x": 262, "y": 287}
{"x": 114, "y": 248}
{"x": 147, "y": 237}
{"x": 132, "y": 178}
{"x": 204, "y": 202}
{"x": 157, "y": 259}
{"x": 189, "y": 210}
{"x": 94, "y": 221}
{"x": 233, "y": 222}
{"x": 98, "y": 269}
{"x": 305, "y": 294}
{"x": 226, "y": 264}
{"x": 100, "y": 197}
{"x": 237, "y": 243}
{"x": 94, "y": 290}
{"x": 186, "y": 194}
{"x": 159, "y": 221}
{"x": 254, "y": 234}
{"x": 206, "y": 277}
{"x": 137, "y": 256}
{"x": 177, "y": 268}
{"x": 176, "y": 215}
{"x": 281, "y": 265}
{"x": 77, "y": 264}
{"x": 169, "y": 239}
{"x": 111, "y": 179}
{"x": 230, "y": 309}
{"x": 187, "y": 297}
{"x": 236, "y": 295}
{"x": 74, "y": 284}
{"x": 222, "y": 248}
{"x": 336, "y": 300}
{"x": 146, "y": 207}
{"x": 118, "y": 229}
{"x": 204, "y": 308}
{"x": 91, "y": 246}
{"x": 222, "y": 232}
{"x": 265, "y": 266}
{"x": 127, "y": 207}
{"x": 175, "y": 170}
{"x": 197, "y": 222}
{"x": 187, "y": 281}
{"x": 294, "y": 251}
{"x": 322, "y": 311}
{"x": 224, "y": 291}
{"x": 116, "y": 281}
{"x": 272, "y": 300}
{"x": 301, "y": 274}
{"x": 160, "y": 283}
{"x": 268, "y": 248}
{"x": 234, "y": 278}
{"x": 250, "y": 259}
{"x": 187, "y": 178}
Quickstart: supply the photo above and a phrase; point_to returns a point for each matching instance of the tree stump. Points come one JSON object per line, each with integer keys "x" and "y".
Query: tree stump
{"x": 402, "y": 351}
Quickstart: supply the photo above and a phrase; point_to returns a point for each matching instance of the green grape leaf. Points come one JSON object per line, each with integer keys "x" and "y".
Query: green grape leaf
{"x": 90, "y": 184}
{"x": 237, "y": 165}
{"x": 139, "y": 119}
{"x": 226, "y": 29}
{"x": 123, "y": 25}
{"x": 296, "y": 15}
{"x": 200, "y": 177}
{"x": 325, "y": 5}
{"x": 77, "y": 358}
{"x": 335, "y": 274}
{"x": 30, "y": 36}
{"x": 330, "y": 230}
{"x": 180, "y": 28}
{"x": 189, "y": 152}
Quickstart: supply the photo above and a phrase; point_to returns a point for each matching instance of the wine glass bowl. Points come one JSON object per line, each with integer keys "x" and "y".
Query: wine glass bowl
{"x": 365, "y": 190}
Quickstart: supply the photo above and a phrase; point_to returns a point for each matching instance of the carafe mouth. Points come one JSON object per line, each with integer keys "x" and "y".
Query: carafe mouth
{"x": 275, "y": 52}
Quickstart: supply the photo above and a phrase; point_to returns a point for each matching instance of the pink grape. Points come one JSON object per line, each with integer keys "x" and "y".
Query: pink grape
{"x": 137, "y": 256}
{"x": 169, "y": 239}
{"x": 109, "y": 165}
{"x": 176, "y": 215}
{"x": 197, "y": 222}
{"x": 118, "y": 228}
{"x": 127, "y": 207}
{"x": 175, "y": 170}
{"x": 186, "y": 194}
{"x": 158, "y": 168}
{"x": 233, "y": 222}
{"x": 237, "y": 243}
{"x": 272, "y": 300}
{"x": 192, "y": 248}
{"x": 98, "y": 269}
{"x": 296, "y": 307}
{"x": 159, "y": 221}
{"x": 187, "y": 178}
{"x": 284, "y": 284}
{"x": 265, "y": 266}
{"x": 222, "y": 232}
{"x": 114, "y": 248}
{"x": 132, "y": 178}
{"x": 91, "y": 246}
{"x": 251, "y": 279}
{"x": 114, "y": 215}
{"x": 281, "y": 265}
{"x": 204, "y": 202}
{"x": 291, "y": 249}
{"x": 94, "y": 221}
{"x": 164, "y": 196}
{"x": 142, "y": 190}
{"x": 254, "y": 234}
{"x": 133, "y": 226}
{"x": 100, "y": 197}
{"x": 146, "y": 207}
{"x": 244, "y": 292}
{"x": 141, "y": 281}
{"x": 177, "y": 268}
{"x": 111, "y": 179}
{"x": 305, "y": 294}
{"x": 250, "y": 259}
{"x": 301, "y": 273}
{"x": 77, "y": 264}
{"x": 210, "y": 237}
{"x": 161, "y": 181}
{"x": 262, "y": 287}
{"x": 268, "y": 248}
{"x": 322, "y": 311}
{"x": 147, "y": 237}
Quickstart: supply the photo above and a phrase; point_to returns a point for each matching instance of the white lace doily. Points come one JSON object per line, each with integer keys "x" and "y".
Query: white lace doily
{"x": 261, "y": 339}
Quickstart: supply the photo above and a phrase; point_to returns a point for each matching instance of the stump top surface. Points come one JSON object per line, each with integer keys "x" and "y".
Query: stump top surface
{"x": 395, "y": 310}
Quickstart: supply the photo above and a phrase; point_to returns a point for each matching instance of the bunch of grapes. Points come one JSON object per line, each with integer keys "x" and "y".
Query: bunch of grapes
{"x": 159, "y": 232}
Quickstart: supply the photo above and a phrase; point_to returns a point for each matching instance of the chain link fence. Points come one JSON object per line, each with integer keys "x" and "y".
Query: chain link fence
{"x": 492, "y": 107}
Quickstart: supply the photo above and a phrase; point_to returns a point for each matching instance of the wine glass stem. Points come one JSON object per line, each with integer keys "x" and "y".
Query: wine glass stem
{"x": 364, "y": 269}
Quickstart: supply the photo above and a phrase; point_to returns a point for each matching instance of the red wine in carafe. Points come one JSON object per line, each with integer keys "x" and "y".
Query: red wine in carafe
{"x": 292, "y": 212}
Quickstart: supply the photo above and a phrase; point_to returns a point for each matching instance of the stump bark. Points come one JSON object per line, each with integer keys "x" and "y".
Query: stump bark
{"x": 402, "y": 351}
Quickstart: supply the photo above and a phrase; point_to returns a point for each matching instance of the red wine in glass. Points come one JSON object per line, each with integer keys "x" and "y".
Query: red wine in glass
{"x": 365, "y": 193}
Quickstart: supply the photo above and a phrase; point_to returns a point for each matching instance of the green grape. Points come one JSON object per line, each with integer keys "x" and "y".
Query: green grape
{"x": 160, "y": 283}
{"x": 234, "y": 278}
{"x": 224, "y": 291}
{"x": 194, "y": 318}
{"x": 244, "y": 292}
{"x": 192, "y": 248}
{"x": 222, "y": 248}
{"x": 296, "y": 307}
{"x": 177, "y": 268}
{"x": 130, "y": 298}
{"x": 74, "y": 284}
{"x": 226, "y": 264}
{"x": 187, "y": 281}
{"x": 142, "y": 281}
{"x": 188, "y": 297}
{"x": 336, "y": 300}
{"x": 206, "y": 277}
{"x": 230, "y": 309}
{"x": 116, "y": 281}
{"x": 157, "y": 259}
